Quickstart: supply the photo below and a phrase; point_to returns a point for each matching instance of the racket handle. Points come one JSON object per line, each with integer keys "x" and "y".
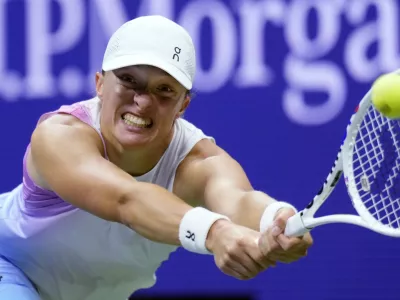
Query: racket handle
{"x": 295, "y": 226}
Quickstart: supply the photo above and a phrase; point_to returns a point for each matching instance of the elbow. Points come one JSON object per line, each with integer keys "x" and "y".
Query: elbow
{"x": 131, "y": 204}
{"x": 126, "y": 207}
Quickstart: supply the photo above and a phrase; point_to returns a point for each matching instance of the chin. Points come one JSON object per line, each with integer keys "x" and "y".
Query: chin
{"x": 134, "y": 141}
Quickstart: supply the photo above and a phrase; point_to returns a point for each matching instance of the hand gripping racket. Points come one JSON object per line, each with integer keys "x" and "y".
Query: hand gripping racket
{"x": 369, "y": 160}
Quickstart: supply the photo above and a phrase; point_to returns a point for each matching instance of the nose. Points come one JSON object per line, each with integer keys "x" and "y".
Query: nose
{"x": 143, "y": 101}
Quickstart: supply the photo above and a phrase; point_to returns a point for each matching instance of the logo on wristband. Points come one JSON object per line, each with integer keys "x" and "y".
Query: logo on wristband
{"x": 190, "y": 235}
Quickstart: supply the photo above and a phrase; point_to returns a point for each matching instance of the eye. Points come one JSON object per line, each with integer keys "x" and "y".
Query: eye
{"x": 127, "y": 79}
{"x": 165, "y": 89}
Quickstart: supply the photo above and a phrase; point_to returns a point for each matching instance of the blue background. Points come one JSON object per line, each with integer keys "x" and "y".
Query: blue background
{"x": 286, "y": 155}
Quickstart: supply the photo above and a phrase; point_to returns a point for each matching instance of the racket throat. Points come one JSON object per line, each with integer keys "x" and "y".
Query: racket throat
{"x": 339, "y": 218}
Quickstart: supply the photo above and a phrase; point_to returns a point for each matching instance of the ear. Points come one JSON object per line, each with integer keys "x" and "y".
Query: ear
{"x": 184, "y": 106}
{"x": 99, "y": 84}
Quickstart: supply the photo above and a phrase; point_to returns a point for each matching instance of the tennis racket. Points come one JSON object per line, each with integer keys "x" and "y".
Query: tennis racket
{"x": 369, "y": 162}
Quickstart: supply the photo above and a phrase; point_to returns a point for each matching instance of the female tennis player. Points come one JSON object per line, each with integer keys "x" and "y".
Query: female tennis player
{"x": 112, "y": 185}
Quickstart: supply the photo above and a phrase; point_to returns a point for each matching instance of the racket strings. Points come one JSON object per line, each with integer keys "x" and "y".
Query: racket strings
{"x": 388, "y": 213}
{"x": 376, "y": 160}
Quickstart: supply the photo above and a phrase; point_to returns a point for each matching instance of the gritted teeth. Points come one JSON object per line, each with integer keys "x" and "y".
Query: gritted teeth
{"x": 133, "y": 120}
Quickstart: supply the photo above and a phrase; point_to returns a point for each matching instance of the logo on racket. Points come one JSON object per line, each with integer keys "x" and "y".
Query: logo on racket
{"x": 365, "y": 184}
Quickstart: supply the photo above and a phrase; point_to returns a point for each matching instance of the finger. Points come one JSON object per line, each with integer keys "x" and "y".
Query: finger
{"x": 259, "y": 264}
{"x": 298, "y": 246}
{"x": 280, "y": 220}
{"x": 308, "y": 239}
{"x": 287, "y": 257}
{"x": 229, "y": 267}
{"x": 267, "y": 243}
{"x": 270, "y": 248}
{"x": 269, "y": 263}
{"x": 246, "y": 264}
{"x": 291, "y": 243}
{"x": 283, "y": 250}
{"x": 234, "y": 273}
{"x": 240, "y": 269}
{"x": 262, "y": 262}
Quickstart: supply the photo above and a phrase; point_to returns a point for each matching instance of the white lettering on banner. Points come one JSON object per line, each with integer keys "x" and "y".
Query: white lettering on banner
{"x": 239, "y": 52}
{"x": 304, "y": 71}
{"x": 10, "y": 82}
{"x": 224, "y": 42}
{"x": 321, "y": 76}
{"x": 328, "y": 28}
{"x": 42, "y": 44}
{"x": 380, "y": 31}
{"x": 104, "y": 18}
{"x": 252, "y": 70}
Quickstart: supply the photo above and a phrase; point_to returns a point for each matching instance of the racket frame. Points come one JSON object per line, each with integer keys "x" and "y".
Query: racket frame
{"x": 304, "y": 220}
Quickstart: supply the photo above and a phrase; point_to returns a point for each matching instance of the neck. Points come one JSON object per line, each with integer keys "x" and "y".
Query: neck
{"x": 138, "y": 161}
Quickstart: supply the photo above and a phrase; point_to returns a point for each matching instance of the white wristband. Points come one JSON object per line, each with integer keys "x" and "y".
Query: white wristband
{"x": 194, "y": 228}
{"x": 269, "y": 214}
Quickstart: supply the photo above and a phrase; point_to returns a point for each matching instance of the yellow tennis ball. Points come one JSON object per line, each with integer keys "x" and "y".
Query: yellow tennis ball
{"x": 385, "y": 95}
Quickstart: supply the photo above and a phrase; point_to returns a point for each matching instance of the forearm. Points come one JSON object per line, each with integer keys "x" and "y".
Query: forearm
{"x": 249, "y": 208}
{"x": 244, "y": 208}
{"x": 153, "y": 212}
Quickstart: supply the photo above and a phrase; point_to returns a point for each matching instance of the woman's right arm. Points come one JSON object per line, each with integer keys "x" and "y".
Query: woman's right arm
{"x": 66, "y": 157}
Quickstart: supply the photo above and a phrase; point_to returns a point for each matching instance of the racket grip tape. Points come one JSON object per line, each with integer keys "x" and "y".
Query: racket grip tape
{"x": 295, "y": 226}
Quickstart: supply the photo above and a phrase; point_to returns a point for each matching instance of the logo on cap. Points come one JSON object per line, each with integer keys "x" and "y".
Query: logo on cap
{"x": 176, "y": 54}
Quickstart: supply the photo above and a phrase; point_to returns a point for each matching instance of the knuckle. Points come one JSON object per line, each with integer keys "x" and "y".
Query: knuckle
{"x": 265, "y": 251}
{"x": 241, "y": 242}
{"x": 228, "y": 248}
{"x": 230, "y": 251}
{"x": 225, "y": 269}
{"x": 284, "y": 246}
{"x": 235, "y": 247}
{"x": 225, "y": 260}
{"x": 279, "y": 220}
{"x": 259, "y": 257}
{"x": 275, "y": 247}
{"x": 304, "y": 246}
{"x": 303, "y": 252}
{"x": 293, "y": 244}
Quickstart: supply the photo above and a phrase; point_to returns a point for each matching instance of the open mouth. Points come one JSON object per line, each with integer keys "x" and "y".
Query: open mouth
{"x": 135, "y": 121}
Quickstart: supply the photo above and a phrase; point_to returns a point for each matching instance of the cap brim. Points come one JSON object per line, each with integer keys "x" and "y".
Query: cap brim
{"x": 132, "y": 60}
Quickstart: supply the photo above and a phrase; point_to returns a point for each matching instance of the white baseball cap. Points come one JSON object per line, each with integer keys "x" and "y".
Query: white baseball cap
{"x": 155, "y": 41}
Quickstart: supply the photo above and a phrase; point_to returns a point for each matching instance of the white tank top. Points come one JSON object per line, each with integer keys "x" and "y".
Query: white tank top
{"x": 70, "y": 254}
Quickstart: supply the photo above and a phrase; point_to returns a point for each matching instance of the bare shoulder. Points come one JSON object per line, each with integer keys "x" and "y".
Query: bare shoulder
{"x": 57, "y": 135}
{"x": 63, "y": 126}
{"x": 62, "y": 119}
{"x": 205, "y": 148}
{"x": 203, "y": 152}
